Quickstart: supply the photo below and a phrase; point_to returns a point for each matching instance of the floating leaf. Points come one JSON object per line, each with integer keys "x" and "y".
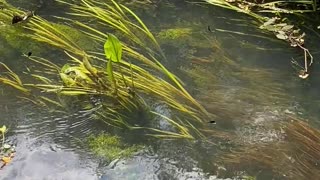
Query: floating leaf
{"x": 282, "y": 36}
{"x": 113, "y": 48}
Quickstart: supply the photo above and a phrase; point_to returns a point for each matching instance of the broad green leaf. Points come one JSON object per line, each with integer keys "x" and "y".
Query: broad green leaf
{"x": 113, "y": 48}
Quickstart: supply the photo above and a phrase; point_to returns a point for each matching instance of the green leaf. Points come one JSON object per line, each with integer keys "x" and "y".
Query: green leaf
{"x": 113, "y": 48}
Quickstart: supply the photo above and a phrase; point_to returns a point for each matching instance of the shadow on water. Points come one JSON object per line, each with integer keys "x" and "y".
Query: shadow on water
{"x": 247, "y": 83}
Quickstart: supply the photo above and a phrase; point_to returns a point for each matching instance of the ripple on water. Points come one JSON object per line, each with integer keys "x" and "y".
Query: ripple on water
{"x": 151, "y": 168}
{"x": 62, "y": 128}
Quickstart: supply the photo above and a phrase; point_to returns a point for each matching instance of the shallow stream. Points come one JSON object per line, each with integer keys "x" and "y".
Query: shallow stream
{"x": 247, "y": 104}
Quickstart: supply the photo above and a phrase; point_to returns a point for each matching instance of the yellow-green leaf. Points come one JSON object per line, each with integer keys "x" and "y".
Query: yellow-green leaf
{"x": 113, "y": 48}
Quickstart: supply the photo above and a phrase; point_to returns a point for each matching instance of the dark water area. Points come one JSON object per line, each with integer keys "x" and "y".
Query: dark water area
{"x": 50, "y": 145}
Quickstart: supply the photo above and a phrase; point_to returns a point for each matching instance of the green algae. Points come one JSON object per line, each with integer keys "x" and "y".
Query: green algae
{"x": 175, "y": 33}
{"x": 111, "y": 147}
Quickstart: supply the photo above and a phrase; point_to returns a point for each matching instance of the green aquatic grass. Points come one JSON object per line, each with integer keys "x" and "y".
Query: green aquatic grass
{"x": 86, "y": 73}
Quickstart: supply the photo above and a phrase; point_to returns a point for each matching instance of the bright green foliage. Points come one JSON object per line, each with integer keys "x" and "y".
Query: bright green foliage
{"x": 113, "y": 48}
{"x": 111, "y": 147}
{"x": 113, "y": 52}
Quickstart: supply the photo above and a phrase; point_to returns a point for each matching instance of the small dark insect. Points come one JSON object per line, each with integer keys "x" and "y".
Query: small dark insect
{"x": 212, "y": 122}
{"x": 18, "y": 18}
{"x": 29, "y": 54}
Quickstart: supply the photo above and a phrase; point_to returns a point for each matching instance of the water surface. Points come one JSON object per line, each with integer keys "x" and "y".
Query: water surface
{"x": 49, "y": 144}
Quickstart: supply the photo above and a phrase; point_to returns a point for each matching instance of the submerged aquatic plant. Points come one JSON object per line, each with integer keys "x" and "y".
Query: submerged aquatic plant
{"x": 88, "y": 73}
{"x": 111, "y": 147}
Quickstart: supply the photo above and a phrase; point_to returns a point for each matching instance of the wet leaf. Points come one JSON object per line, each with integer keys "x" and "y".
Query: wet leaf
{"x": 286, "y": 28}
{"x": 269, "y": 22}
{"x": 282, "y": 36}
{"x": 113, "y": 48}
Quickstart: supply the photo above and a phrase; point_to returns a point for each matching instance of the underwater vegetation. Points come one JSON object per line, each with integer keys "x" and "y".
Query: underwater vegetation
{"x": 103, "y": 58}
{"x": 119, "y": 76}
{"x": 111, "y": 147}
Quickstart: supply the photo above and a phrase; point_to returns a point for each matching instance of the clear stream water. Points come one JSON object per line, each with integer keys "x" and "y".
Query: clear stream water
{"x": 48, "y": 145}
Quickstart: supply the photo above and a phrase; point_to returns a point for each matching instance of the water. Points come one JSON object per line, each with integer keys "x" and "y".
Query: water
{"x": 49, "y": 144}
